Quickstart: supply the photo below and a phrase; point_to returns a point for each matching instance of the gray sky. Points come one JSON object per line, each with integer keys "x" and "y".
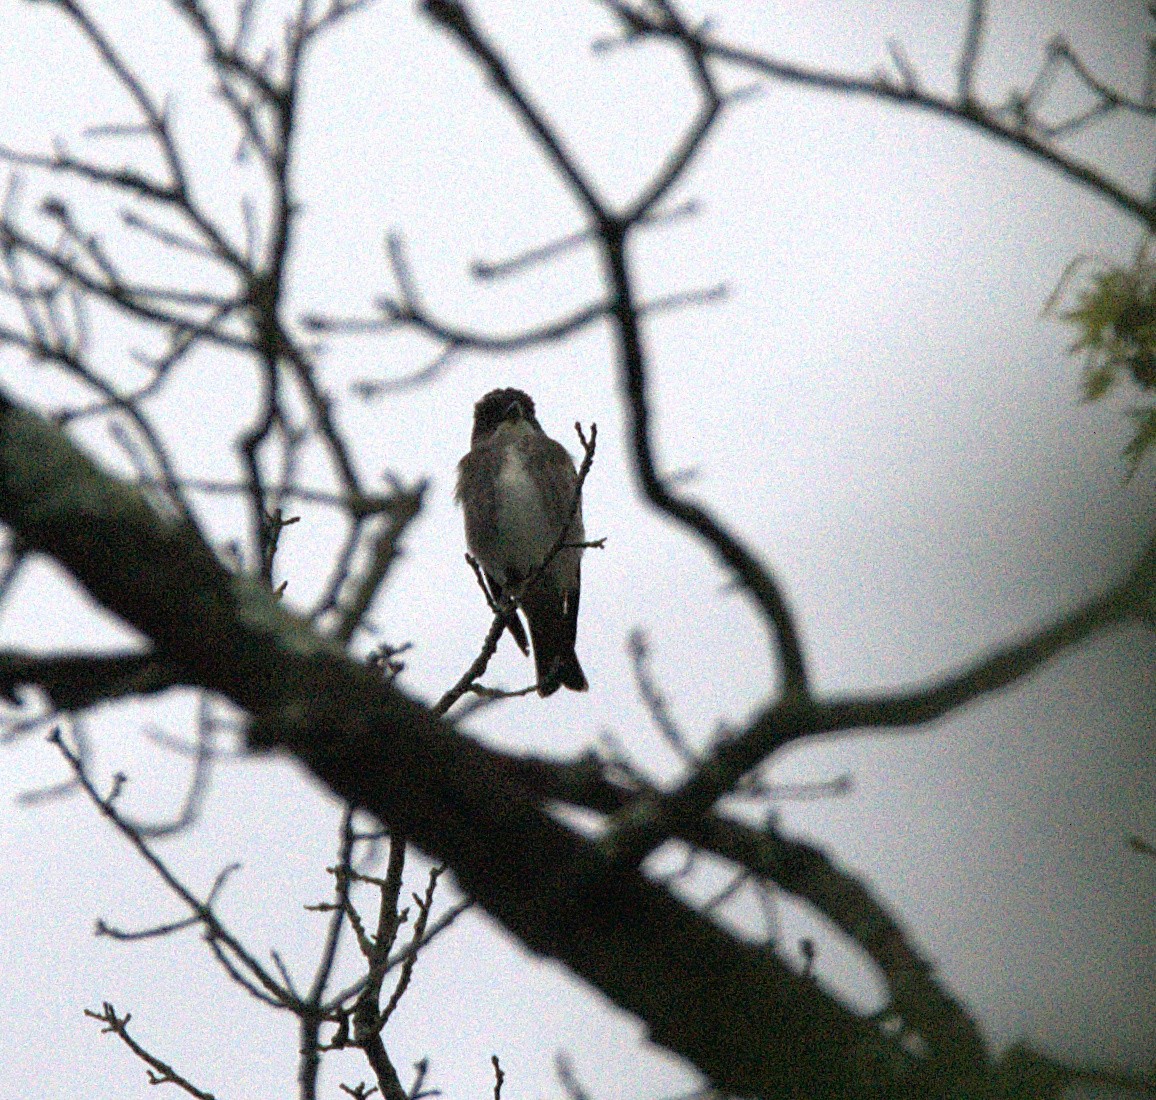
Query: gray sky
{"x": 877, "y": 406}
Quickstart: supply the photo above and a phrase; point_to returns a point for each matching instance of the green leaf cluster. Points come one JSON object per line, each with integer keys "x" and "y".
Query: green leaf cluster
{"x": 1113, "y": 312}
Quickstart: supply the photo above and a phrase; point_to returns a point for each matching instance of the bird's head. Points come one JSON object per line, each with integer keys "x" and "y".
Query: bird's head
{"x": 499, "y": 407}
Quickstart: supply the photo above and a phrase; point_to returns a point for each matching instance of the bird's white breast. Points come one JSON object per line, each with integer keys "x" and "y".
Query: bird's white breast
{"x": 525, "y": 532}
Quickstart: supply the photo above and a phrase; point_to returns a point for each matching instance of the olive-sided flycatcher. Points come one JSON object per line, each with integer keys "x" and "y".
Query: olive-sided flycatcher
{"x": 516, "y": 487}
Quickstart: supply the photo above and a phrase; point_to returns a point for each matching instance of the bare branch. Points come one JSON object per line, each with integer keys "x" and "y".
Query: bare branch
{"x": 424, "y": 908}
{"x": 160, "y": 1073}
{"x": 403, "y": 313}
{"x": 749, "y": 571}
{"x": 898, "y": 710}
{"x": 568, "y": 1079}
{"x": 442, "y": 924}
{"x": 801, "y": 869}
{"x": 76, "y": 681}
{"x": 553, "y": 887}
{"x": 371, "y": 504}
{"x": 455, "y": 18}
{"x": 987, "y": 120}
{"x": 655, "y": 701}
{"x": 225, "y": 946}
{"x": 638, "y": 829}
{"x": 969, "y": 57}
{"x": 157, "y": 931}
{"x": 1108, "y": 96}
{"x": 908, "y": 76}
{"x": 370, "y": 389}
{"x": 531, "y": 257}
{"x": 382, "y": 552}
{"x": 138, "y": 302}
{"x": 684, "y": 152}
{"x": 499, "y": 1077}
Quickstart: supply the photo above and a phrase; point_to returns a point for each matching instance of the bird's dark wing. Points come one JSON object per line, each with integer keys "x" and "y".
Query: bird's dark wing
{"x": 477, "y": 477}
{"x": 558, "y": 478}
{"x": 551, "y": 607}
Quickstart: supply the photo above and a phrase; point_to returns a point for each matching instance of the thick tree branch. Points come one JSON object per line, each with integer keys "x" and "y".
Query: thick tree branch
{"x": 76, "y": 681}
{"x": 800, "y": 869}
{"x": 734, "y": 1009}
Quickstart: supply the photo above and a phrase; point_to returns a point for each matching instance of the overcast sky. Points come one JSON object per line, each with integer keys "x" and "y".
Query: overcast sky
{"x": 878, "y": 406}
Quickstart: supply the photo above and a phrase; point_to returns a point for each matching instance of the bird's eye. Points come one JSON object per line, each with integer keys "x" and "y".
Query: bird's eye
{"x": 514, "y": 412}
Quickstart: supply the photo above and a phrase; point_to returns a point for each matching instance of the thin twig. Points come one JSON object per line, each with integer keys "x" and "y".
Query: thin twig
{"x": 969, "y": 56}
{"x": 160, "y": 1073}
{"x": 227, "y": 948}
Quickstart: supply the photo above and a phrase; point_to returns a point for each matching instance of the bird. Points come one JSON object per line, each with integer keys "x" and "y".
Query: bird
{"x": 517, "y": 489}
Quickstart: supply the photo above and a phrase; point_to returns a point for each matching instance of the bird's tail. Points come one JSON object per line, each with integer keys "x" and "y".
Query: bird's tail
{"x": 569, "y": 672}
{"x": 553, "y": 617}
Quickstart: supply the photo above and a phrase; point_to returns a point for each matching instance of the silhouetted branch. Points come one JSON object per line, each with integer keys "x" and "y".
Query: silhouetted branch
{"x": 1027, "y": 1072}
{"x": 655, "y": 701}
{"x": 455, "y": 18}
{"x": 381, "y": 552}
{"x": 969, "y": 55}
{"x": 641, "y": 827}
{"x": 79, "y": 680}
{"x": 641, "y": 21}
{"x": 160, "y": 1073}
{"x": 239, "y": 963}
{"x": 801, "y": 869}
{"x": 531, "y": 257}
{"x": 1006, "y": 665}
{"x": 552, "y": 887}
{"x": 745, "y": 1019}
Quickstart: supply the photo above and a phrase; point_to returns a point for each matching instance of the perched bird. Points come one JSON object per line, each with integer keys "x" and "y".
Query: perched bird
{"x": 516, "y": 487}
